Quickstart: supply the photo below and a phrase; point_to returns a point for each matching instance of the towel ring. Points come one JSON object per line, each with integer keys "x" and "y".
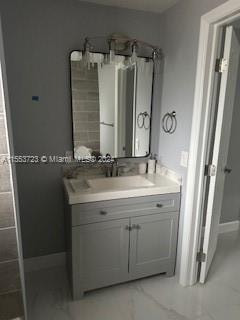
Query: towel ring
{"x": 169, "y": 122}
{"x": 141, "y": 120}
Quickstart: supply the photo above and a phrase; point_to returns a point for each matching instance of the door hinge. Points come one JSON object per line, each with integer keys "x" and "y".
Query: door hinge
{"x": 210, "y": 170}
{"x": 221, "y": 65}
{"x": 201, "y": 257}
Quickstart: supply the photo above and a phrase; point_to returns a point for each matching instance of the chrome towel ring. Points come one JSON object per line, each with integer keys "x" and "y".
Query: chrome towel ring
{"x": 143, "y": 120}
{"x": 169, "y": 122}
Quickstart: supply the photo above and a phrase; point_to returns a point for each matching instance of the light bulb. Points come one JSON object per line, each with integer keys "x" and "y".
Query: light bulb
{"x": 87, "y": 54}
{"x": 134, "y": 53}
{"x": 111, "y": 51}
{"x": 157, "y": 56}
{"x": 126, "y": 62}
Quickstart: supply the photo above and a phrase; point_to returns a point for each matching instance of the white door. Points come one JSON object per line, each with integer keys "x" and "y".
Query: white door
{"x": 220, "y": 148}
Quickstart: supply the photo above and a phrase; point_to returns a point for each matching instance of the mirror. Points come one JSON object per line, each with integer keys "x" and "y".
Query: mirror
{"x": 111, "y": 105}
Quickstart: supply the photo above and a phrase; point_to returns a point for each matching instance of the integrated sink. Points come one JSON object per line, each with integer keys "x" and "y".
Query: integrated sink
{"x": 78, "y": 184}
{"x": 117, "y": 183}
{"x": 95, "y": 188}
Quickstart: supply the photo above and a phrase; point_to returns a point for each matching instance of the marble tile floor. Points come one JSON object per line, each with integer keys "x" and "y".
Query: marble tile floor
{"x": 154, "y": 298}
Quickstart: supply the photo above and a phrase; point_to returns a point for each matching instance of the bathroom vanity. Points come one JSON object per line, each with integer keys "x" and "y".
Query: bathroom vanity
{"x": 118, "y": 228}
{"x": 118, "y": 231}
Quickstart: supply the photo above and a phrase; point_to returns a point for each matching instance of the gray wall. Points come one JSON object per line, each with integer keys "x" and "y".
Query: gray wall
{"x": 181, "y": 26}
{"x": 38, "y": 37}
{"x": 231, "y": 198}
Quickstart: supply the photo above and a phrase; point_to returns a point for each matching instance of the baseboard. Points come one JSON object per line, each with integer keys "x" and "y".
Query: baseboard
{"x": 45, "y": 262}
{"x": 229, "y": 226}
{"x": 226, "y": 227}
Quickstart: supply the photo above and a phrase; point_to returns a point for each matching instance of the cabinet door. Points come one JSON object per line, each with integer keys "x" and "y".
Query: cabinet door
{"x": 153, "y": 244}
{"x": 100, "y": 254}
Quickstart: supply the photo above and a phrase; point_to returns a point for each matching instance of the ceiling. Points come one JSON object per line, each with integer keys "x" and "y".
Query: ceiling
{"x": 144, "y": 5}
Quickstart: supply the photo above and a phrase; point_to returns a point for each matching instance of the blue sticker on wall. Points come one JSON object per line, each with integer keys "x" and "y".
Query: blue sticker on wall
{"x": 35, "y": 98}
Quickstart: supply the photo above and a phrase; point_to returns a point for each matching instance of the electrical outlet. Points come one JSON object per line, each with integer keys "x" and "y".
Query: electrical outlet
{"x": 184, "y": 159}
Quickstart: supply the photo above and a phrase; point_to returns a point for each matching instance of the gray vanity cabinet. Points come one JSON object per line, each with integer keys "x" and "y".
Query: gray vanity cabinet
{"x": 100, "y": 254}
{"x": 120, "y": 240}
{"x": 153, "y": 244}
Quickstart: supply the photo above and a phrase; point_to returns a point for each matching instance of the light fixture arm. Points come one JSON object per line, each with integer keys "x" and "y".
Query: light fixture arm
{"x": 113, "y": 41}
{"x": 130, "y": 41}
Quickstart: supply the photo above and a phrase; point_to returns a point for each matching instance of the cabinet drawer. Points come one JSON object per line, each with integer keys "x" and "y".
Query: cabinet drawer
{"x": 124, "y": 208}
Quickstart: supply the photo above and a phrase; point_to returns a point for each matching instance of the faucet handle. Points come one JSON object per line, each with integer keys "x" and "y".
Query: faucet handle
{"x": 108, "y": 171}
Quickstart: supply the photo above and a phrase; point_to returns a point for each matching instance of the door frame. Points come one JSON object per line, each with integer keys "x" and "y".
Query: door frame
{"x": 210, "y": 30}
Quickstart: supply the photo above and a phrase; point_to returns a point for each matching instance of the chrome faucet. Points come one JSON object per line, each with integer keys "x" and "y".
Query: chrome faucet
{"x": 113, "y": 169}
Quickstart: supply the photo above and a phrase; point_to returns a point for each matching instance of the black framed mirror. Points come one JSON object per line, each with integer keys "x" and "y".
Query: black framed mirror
{"x": 111, "y": 105}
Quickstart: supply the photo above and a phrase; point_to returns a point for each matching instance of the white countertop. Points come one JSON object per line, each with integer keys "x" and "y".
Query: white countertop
{"x": 162, "y": 185}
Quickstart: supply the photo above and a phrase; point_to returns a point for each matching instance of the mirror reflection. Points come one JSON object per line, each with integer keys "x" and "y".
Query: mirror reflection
{"x": 111, "y": 105}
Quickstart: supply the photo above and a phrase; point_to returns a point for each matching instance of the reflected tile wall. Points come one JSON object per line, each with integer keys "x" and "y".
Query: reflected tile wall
{"x": 85, "y": 104}
{"x": 11, "y": 302}
{"x": 6, "y": 210}
{"x": 11, "y": 305}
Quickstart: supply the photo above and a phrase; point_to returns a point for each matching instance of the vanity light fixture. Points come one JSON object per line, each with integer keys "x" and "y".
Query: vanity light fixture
{"x": 157, "y": 56}
{"x": 120, "y": 43}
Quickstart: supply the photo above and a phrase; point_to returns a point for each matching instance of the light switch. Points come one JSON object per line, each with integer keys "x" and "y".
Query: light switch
{"x": 184, "y": 159}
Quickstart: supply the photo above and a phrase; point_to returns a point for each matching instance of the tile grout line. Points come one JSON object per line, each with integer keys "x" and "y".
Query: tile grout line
{"x": 8, "y": 261}
{"x": 7, "y": 228}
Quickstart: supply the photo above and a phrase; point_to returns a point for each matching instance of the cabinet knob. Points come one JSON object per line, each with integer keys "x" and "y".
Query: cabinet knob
{"x": 136, "y": 226}
{"x": 227, "y": 170}
{"x": 103, "y": 213}
{"x": 159, "y": 205}
{"x": 129, "y": 228}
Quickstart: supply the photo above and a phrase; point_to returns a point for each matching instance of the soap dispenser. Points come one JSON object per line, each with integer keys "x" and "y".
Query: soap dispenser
{"x": 151, "y": 165}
